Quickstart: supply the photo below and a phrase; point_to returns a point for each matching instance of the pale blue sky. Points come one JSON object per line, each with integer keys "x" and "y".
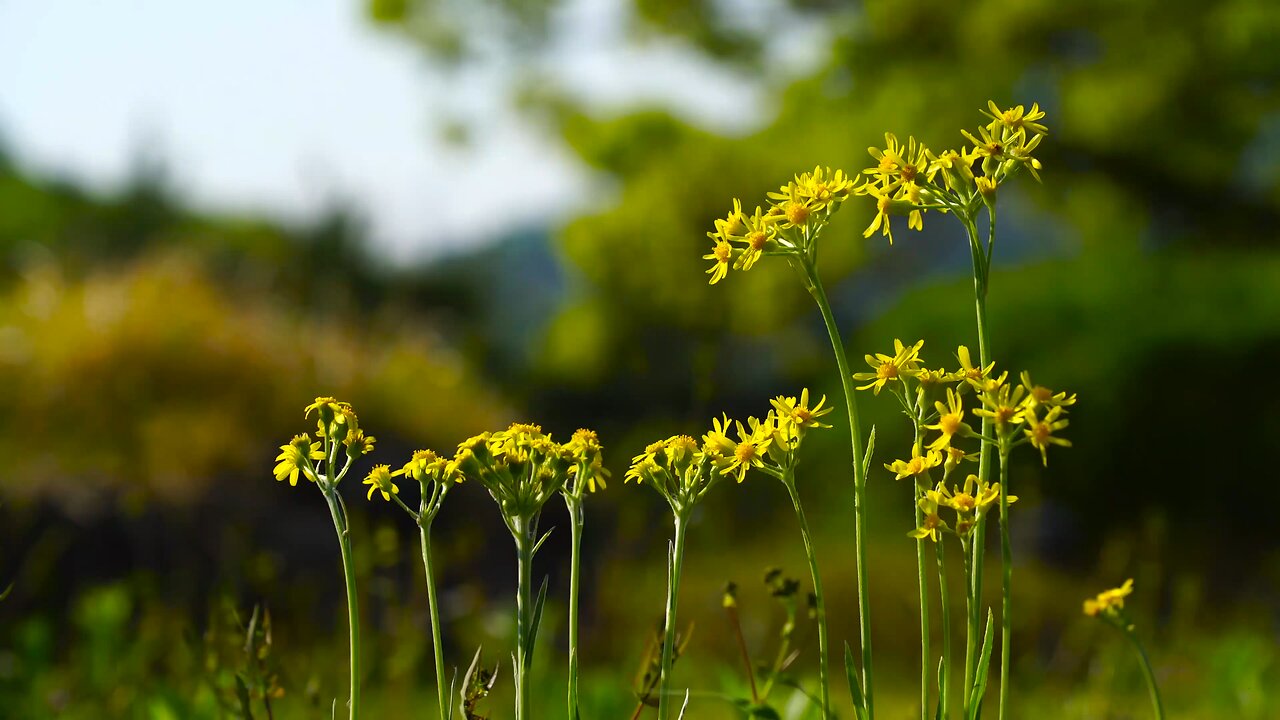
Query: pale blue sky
{"x": 277, "y": 105}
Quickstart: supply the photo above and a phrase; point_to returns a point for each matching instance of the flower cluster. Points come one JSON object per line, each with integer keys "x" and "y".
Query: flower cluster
{"x": 521, "y": 467}
{"x": 587, "y": 474}
{"x": 970, "y": 502}
{"x": 910, "y": 179}
{"x": 336, "y": 426}
{"x": 796, "y": 213}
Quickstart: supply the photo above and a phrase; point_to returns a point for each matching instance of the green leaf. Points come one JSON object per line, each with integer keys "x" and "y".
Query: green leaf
{"x": 866, "y": 454}
{"x": 242, "y": 692}
{"x": 851, "y": 673}
{"x": 984, "y": 662}
{"x": 536, "y": 620}
{"x": 538, "y": 545}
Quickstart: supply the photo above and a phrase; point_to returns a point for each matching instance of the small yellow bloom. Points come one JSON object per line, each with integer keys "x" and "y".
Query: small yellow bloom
{"x": 933, "y": 525}
{"x": 956, "y": 167}
{"x": 950, "y": 421}
{"x": 971, "y": 373}
{"x": 889, "y": 368}
{"x": 749, "y": 451}
{"x": 1041, "y": 432}
{"x": 954, "y": 457}
{"x": 805, "y": 417}
{"x": 722, "y": 253}
{"x": 1017, "y": 118}
{"x": 1041, "y": 395}
{"x": 758, "y": 231}
{"x": 792, "y": 208}
{"x": 884, "y": 203}
{"x": 716, "y": 442}
{"x": 917, "y": 466}
{"x": 1002, "y": 403}
{"x": 824, "y": 187}
{"x": 379, "y": 480}
{"x": 588, "y": 458}
{"x": 1110, "y": 601}
{"x": 358, "y": 444}
{"x": 295, "y": 459}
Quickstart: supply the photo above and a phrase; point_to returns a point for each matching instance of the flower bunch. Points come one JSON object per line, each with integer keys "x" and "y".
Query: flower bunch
{"x": 910, "y": 179}
{"x": 1108, "y": 606}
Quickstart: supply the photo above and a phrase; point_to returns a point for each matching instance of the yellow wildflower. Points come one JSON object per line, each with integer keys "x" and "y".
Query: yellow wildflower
{"x": 379, "y": 480}
{"x": 888, "y": 368}
{"x": 933, "y": 525}
{"x": 824, "y": 187}
{"x": 750, "y": 449}
{"x": 758, "y": 232}
{"x": 716, "y": 442}
{"x": 1041, "y": 431}
{"x": 954, "y": 457}
{"x": 973, "y": 374}
{"x": 1109, "y": 601}
{"x": 588, "y": 458}
{"x": 1041, "y": 395}
{"x": 791, "y": 207}
{"x": 805, "y": 417}
{"x": 358, "y": 444}
{"x": 884, "y": 203}
{"x": 1017, "y": 118}
{"x": 295, "y": 459}
{"x": 1002, "y": 403}
{"x": 957, "y": 169}
{"x": 722, "y": 253}
{"x": 950, "y": 421}
{"x": 917, "y": 466}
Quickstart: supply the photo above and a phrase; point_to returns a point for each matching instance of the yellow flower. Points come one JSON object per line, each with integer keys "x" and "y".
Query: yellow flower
{"x": 716, "y": 442}
{"x": 722, "y": 253}
{"x": 358, "y": 444}
{"x": 950, "y": 421}
{"x": 986, "y": 188}
{"x": 824, "y": 187}
{"x": 805, "y": 417}
{"x": 884, "y": 203}
{"x": 888, "y": 368}
{"x": 588, "y": 458}
{"x": 957, "y": 169}
{"x": 295, "y": 459}
{"x": 1041, "y": 395}
{"x": 933, "y": 524}
{"x": 379, "y": 480}
{"x": 1109, "y": 601}
{"x": 732, "y": 226}
{"x": 917, "y": 466}
{"x": 898, "y": 163}
{"x": 971, "y": 373}
{"x": 791, "y": 208}
{"x": 1017, "y": 118}
{"x": 1041, "y": 431}
{"x": 758, "y": 232}
{"x": 954, "y": 457}
{"x": 750, "y": 449}
{"x": 974, "y": 497}
{"x": 426, "y": 466}
{"x": 1002, "y": 403}
{"x": 989, "y": 147}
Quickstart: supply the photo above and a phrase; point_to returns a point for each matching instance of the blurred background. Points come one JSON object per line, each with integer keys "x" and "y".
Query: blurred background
{"x": 459, "y": 213}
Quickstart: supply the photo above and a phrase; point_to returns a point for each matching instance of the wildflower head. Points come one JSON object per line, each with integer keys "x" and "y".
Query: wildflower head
{"x": 749, "y": 451}
{"x": 427, "y": 467}
{"x": 1040, "y": 395}
{"x": 1017, "y": 118}
{"x": 1040, "y": 431}
{"x": 677, "y": 469}
{"x": 889, "y": 368}
{"x": 917, "y": 466}
{"x": 799, "y": 411}
{"x": 932, "y": 525}
{"x": 379, "y": 480}
{"x": 1109, "y": 603}
{"x": 295, "y": 459}
{"x": 588, "y": 465}
{"x": 358, "y": 444}
{"x": 950, "y": 421}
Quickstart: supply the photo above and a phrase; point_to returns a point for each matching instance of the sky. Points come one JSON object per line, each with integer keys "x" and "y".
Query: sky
{"x": 280, "y": 107}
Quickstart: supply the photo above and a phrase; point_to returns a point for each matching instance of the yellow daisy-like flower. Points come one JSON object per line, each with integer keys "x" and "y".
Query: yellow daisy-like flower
{"x": 956, "y": 167}
{"x": 1002, "y": 403}
{"x": 950, "y": 421}
{"x": 758, "y": 231}
{"x": 1041, "y": 432}
{"x": 917, "y": 466}
{"x": 1109, "y": 601}
{"x": 805, "y": 417}
{"x": 722, "y": 254}
{"x": 716, "y": 443}
{"x": 1040, "y": 395}
{"x": 989, "y": 146}
{"x": 791, "y": 208}
{"x": 889, "y": 368}
{"x": 933, "y": 524}
{"x": 749, "y": 451}
{"x": 955, "y": 456}
{"x": 1017, "y": 118}
{"x": 379, "y": 480}
{"x": 884, "y": 203}
{"x": 973, "y": 374}
{"x": 824, "y": 187}
{"x": 899, "y": 163}
{"x": 426, "y": 466}
{"x": 358, "y": 444}
{"x": 732, "y": 226}
{"x": 295, "y": 459}
{"x": 587, "y": 453}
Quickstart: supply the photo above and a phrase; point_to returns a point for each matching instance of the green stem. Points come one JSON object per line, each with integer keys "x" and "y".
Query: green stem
{"x": 925, "y": 655}
{"x": 675, "y": 563}
{"x": 820, "y": 602}
{"x": 945, "y": 681}
{"x": 353, "y": 607}
{"x": 577, "y": 520}
{"x": 523, "y": 531}
{"x": 971, "y": 625}
{"x": 424, "y": 533}
{"x": 859, "y": 480}
{"x": 1156, "y": 706}
{"x": 1006, "y": 564}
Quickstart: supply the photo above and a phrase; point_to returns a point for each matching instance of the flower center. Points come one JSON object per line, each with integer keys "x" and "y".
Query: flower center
{"x": 909, "y": 172}
{"x": 964, "y": 501}
{"x": 745, "y": 452}
{"x": 887, "y": 371}
{"x": 756, "y": 240}
{"x": 1041, "y": 393}
{"x": 949, "y": 424}
{"x": 1004, "y": 414}
{"x": 1041, "y": 432}
{"x": 722, "y": 252}
{"x": 802, "y": 414}
{"x": 931, "y": 522}
{"x": 916, "y": 466}
{"x": 797, "y": 214}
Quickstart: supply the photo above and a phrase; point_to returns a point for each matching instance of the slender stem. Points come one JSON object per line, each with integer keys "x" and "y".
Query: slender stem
{"x": 1006, "y": 564}
{"x": 424, "y": 533}
{"x": 971, "y": 625}
{"x": 577, "y": 519}
{"x": 820, "y": 602}
{"x": 1148, "y": 672}
{"x": 944, "y": 682}
{"x": 523, "y": 531}
{"x": 353, "y": 607}
{"x": 676, "y": 561}
{"x": 736, "y": 622}
{"x": 859, "y": 481}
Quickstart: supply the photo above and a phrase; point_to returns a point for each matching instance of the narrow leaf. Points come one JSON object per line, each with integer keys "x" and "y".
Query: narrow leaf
{"x": 984, "y": 663}
{"x": 855, "y": 688}
{"x": 242, "y": 692}
{"x": 535, "y": 621}
{"x": 538, "y": 545}
{"x": 866, "y": 454}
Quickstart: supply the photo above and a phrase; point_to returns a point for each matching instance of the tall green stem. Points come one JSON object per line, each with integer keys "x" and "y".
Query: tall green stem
{"x": 926, "y": 656}
{"x": 1006, "y": 563}
{"x": 1150, "y": 675}
{"x": 424, "y": 533}
{"x": 944, "y": 682}
{"x": 820, "y": 602}
{"x": 859, "y": 480}
{"x": 577, "y": 519}
{"x": 353, "y": 608}
{"x": 971, "y": 624}
{"x": 674, "y": 565}
{"x": 523, "y": 530}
